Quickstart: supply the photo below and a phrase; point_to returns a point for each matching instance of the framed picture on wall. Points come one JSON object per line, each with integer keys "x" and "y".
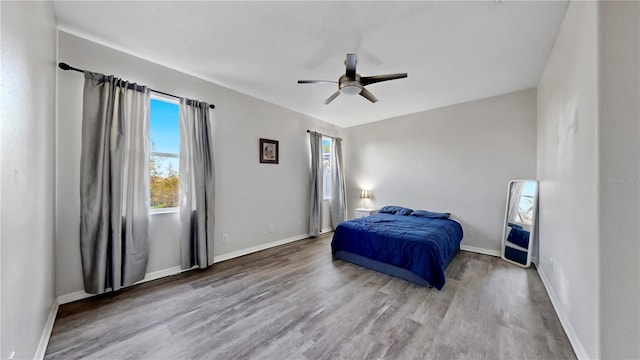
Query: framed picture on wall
{"x": 269, "y": 152}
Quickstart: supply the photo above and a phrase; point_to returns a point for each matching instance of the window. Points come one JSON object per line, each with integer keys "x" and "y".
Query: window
{"x": 164, "y": 161}
{"x": 326, "y": 167}
{"x": 524, "y": 215}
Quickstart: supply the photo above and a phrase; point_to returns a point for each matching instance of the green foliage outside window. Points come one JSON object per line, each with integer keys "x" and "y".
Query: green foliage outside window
{"x": 164, "y": 181}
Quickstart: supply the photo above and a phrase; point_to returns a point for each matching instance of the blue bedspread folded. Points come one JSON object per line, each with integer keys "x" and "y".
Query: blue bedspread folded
{"x": 423, "y": 246}
{"x": 518, "y": 236}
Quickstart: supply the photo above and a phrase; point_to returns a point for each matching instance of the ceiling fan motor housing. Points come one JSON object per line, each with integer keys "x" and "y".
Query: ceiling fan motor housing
{"x": 349, "y": 86}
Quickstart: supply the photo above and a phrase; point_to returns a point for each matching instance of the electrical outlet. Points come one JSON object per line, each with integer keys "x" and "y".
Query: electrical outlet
{"x": 271, "y": 228}
{"x": 551, "y": 264}
{"x": 225, "y": 238}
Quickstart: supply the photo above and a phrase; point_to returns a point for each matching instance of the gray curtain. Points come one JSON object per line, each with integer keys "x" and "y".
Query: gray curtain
{"x": 338, "y": 192}
{"x": 197, "y": 184}
{"x": 315, "y": 203}
{"x": 114, "y": 183}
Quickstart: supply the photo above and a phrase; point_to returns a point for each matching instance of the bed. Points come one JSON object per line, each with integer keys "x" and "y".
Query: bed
{"x": 412, "y": 245}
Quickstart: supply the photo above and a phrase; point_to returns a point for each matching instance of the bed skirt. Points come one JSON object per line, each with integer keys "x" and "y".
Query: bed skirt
{"x": 385, "y": 268}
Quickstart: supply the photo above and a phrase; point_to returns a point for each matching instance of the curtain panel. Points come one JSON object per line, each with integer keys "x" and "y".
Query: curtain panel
{"x": 114, "y": 186}
{"x": 315, "y": 201}
{"x": 197, "y": 184}
{"x": 338, "y": 190}
{"x": 515, "y": 192}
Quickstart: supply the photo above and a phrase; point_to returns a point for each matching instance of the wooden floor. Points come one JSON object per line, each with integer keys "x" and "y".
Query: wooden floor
{"x": 296, "y": 302}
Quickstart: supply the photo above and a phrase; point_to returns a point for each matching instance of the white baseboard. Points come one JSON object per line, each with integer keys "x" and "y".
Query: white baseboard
{"x": 326, "y": 230}
{"x": 79, "y": 295}
{"x": 564, "y": 320}
{"x": 74, "y": 296}
{"x": 581, "y": 353}
{"x": 480, "y": 250}
{"x": 67, "y": 298}
{"x": 160, "y": 274}
{"x": 251, "y": 250}
{"x": 534, "y": 260}
{"x": 46, "y": 332}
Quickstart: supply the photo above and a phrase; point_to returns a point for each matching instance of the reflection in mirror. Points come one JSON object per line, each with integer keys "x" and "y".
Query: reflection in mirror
{"x": 520, "y": 221}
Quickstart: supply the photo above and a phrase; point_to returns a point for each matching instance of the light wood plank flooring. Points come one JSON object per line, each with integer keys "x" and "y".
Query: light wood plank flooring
{"x": 296, "y": 302}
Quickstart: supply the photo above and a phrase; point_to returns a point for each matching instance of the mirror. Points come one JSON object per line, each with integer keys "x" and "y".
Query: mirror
{"x": 520, "y": 222}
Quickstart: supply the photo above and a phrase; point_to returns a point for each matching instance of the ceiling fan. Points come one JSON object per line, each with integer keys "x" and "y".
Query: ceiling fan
{"x": 352, "y": 83}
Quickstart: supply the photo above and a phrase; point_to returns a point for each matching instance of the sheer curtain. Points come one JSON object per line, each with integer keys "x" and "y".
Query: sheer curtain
{"x": 515, "y": 193}
{"x": 197, "y": 184}
{"x": 338, "y": 192}
{"x": 114, "y": 186}
{"x": 315, "y": 202}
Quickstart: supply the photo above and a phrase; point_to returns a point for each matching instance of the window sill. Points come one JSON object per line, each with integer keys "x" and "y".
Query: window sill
{"x": 165, "y": 211}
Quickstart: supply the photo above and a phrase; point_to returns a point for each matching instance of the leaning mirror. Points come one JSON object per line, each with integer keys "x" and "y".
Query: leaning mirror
{"x": 520, "y": 222}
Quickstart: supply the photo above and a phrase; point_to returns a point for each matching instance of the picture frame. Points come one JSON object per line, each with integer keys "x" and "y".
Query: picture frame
{"x": 269, "y": 151}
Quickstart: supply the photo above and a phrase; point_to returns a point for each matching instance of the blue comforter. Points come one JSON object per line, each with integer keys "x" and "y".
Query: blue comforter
{"x": 420, "y": 245}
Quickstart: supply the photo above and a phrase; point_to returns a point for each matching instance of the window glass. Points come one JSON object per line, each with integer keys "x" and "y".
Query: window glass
{"x": 164, "y": 162}
{"x": 526, "y": 204}
{"x": 326, "y": 167}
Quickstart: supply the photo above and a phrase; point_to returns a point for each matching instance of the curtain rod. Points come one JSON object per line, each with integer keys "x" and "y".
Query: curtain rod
{"x": 65, "y": 66}
{"x": 333, "y": 137}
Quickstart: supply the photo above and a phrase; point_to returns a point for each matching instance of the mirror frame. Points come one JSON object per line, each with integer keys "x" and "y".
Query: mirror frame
{"x": 532, "y": 233}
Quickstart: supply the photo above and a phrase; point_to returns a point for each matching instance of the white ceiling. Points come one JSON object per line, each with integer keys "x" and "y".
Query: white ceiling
{"x": 453, "y": 51}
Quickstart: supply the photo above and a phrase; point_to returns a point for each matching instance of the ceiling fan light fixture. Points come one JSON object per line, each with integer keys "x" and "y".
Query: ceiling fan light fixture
{"x": 350, "y": 90}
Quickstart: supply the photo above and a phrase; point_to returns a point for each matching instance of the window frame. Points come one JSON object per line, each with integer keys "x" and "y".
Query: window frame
{"x": 171, "y": 100}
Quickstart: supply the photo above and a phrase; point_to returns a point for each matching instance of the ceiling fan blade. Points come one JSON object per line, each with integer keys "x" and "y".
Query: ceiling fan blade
{"x": 330, "y": 99}
{"x": 316, "y": 81}
{"x": 351, "y": 66}
{"x": 366, "y": 80}
{"x": 367, "y": 95}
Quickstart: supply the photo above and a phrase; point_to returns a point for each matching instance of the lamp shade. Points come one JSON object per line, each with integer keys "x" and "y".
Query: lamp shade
{"x": 364, "y": 194}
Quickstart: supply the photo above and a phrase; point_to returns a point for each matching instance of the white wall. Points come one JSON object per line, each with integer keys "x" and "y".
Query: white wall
{"x": 28, "y": 144}
{"x": 589, "y": 166}
{"x": 619, "y": 127}
{"x": 457, "y": 159}
{"x": 249, "y": 196}
{"x": 568, "y": 174}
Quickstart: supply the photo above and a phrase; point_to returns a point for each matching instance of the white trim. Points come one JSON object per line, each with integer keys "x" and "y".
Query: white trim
{"x": 251, "y": 250}
{"x": 163, "y": 154}
{"x": 160, "y": 274}
{"x": 326, "y": 230}
{"x": 74, "y": 296}
{"x": 46, "y": 332}
{"x": 172, "y": 210}
{"x": 79, "y": 295}
{"x": 480, "y": 250}
{"x": 581, "y": 353}
{"x": 162, "y": 97}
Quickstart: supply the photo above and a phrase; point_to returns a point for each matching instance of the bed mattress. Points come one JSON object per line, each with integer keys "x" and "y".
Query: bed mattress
{"x": 410, "y": 247}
